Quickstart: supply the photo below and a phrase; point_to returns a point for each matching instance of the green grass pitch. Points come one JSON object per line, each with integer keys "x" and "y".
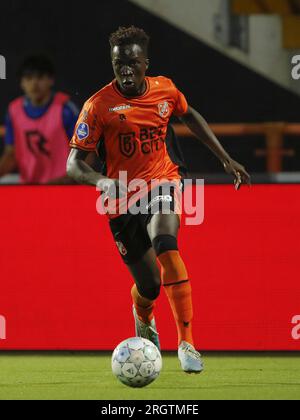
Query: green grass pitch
{"x": 77, "y": 376}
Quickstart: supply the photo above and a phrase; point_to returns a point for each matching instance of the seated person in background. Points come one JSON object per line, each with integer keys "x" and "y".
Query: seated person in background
{"x": 39, "y": 126}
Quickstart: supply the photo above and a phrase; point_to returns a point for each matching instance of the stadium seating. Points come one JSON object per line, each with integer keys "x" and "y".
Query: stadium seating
{"x": 289, "y": 10}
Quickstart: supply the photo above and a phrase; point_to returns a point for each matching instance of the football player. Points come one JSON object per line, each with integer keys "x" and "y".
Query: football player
{"x": 130, "y": 118}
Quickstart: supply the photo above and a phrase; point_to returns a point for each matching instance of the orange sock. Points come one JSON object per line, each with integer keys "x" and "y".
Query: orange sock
{"x": 144, "y": 307}
{"x": 179, "y": 291}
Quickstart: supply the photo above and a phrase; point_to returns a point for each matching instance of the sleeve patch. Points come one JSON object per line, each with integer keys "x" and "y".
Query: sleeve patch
{"x": 83, "y": 131}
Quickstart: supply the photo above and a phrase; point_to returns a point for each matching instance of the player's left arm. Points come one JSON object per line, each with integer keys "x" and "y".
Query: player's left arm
{"x": 203, "y": 132}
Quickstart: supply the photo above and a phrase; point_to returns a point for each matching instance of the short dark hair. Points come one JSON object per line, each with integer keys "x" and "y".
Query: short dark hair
{"x": 130, "y": 35}
{"x": 36, "y": 65}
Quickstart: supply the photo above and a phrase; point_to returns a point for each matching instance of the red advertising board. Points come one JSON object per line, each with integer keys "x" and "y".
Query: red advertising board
{"x": 64, "y": 286}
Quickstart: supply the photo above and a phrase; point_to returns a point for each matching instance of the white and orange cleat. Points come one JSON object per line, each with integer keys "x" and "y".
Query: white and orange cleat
{"x": 190, "y": 359}
{"x": 147, "y": 331}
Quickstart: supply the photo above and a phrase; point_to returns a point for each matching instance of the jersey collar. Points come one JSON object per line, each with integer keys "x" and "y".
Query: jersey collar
{"x": 114, "y": 84}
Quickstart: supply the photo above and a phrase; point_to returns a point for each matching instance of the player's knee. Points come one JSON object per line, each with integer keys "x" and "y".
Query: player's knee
{"x": 173, "y": 267}
{"x": 153, "y": 293}
{"x": 150, "y": 292}
{"x": 165, "y": 243}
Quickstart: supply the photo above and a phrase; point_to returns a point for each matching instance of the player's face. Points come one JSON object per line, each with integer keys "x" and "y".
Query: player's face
{"x": 37, "y": 88}
{"x": 130, "y": 65}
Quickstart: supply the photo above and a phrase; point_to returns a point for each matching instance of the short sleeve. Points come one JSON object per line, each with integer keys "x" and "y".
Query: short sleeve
{"x": 88, "y": 129}
{"x": 181, "y": 104}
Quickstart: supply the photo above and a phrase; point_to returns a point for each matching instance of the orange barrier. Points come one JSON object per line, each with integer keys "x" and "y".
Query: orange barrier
{"x": 273, "y": 132}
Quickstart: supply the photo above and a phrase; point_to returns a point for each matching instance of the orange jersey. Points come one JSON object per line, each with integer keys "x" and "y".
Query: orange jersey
{"x": 133, "y": 130}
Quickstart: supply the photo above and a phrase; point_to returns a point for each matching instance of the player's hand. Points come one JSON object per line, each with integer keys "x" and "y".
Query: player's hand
{"x": 112, "y": 188}
{"x": 239, "y": 172}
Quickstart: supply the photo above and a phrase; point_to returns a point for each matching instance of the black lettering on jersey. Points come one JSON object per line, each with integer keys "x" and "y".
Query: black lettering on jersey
{"x": 151, "y": 139}
{"x": 144, "y": 134}
{"x": 36, "y": 142}
{"x": 152, "y": 146}
{"x": 146, "y": 148}
{"x": 159, "y": 144}
{"x": 151, "y": 133}
{"x": 128, "y": 144}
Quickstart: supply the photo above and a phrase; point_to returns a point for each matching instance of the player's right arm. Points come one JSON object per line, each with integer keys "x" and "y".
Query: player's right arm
{"x": 88, "y": 131}
{"x": 79, "y": 169}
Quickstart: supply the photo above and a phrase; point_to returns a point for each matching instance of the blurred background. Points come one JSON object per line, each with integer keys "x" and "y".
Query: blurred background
{"x": 233, "y": 61}
{"x": 231, "y": 58}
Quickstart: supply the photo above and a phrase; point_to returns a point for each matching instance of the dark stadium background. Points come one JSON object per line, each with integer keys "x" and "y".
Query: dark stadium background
{"x": 243, "y": 259}
{"x": 77, "y": 41}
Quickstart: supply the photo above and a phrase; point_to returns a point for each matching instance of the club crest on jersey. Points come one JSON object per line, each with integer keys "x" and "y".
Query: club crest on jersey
{"x": 122, "y": 249}
{"x": 163, "y": 109}
{"x": 128, "y": 144}
{"x": 83, "y": 131}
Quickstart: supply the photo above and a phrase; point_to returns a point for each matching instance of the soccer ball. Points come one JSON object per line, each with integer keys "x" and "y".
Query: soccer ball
{"x": 136, "y": 362}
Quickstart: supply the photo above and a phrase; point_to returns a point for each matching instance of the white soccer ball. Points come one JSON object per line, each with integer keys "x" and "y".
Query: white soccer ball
{"x": 136, "y": 362}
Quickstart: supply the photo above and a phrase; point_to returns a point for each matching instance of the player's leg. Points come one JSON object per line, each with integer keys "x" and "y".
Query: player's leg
{"x": 147, "y": 285}
{"x": 144, "y": 294}
{"x": 137, "y": 253}
{"x": 163, "y": 231}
